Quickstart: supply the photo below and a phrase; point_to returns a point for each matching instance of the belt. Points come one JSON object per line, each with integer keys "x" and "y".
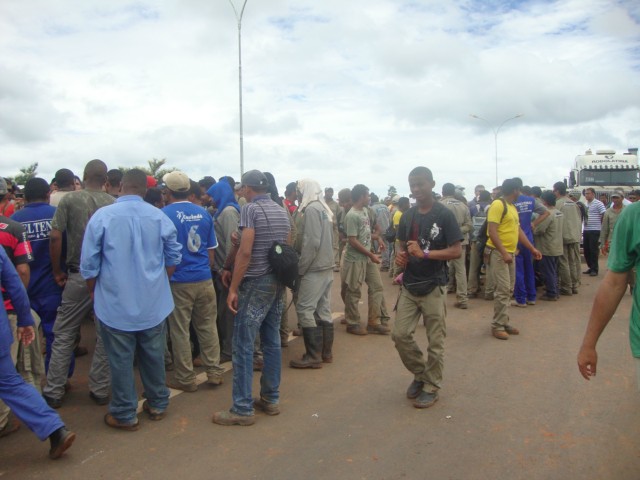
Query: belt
{"x": 73, "y": 270}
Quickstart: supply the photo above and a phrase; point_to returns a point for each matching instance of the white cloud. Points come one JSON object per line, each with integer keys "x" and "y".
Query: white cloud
{"x": 346, "y": 92}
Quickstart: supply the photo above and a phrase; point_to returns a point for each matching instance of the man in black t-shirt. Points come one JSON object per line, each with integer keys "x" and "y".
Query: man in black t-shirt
{"x": 428, "y": 236}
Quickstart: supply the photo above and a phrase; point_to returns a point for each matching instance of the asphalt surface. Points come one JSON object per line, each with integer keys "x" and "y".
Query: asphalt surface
{"x": 515, "y": 409}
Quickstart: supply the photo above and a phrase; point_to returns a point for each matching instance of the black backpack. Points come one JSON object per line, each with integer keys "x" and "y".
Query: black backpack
{"x": 483, "y": 233}
{"x": 283, "y": 260}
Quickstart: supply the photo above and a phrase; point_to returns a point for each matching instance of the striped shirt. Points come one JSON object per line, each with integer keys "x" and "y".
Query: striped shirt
{"x": 266, "y": 232}
{"x": 594, "y": 215}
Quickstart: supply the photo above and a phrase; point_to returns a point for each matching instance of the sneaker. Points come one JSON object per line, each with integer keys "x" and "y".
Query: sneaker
{"x": 593, "y": 274}
{"x": 531, "y": 302}
{"x": 356, "y": 330}
{"x": 215, "y": 379}
{"x": 60, "y": 441}
{"x": 460, "y": 305}
{"x": 154, "y": 413}
{"x": 511, "y": 330}
{"x": 567, "y": 293}
{"x": 379, "y": 329}
{"x": 426, "y": 399}
{"x": 500, "y": 334}
{"x": 515, "y": 303}
{"x": 548, "y": 298}
{"x": 587, "y": 272}
{"x": 227, "y": 417}
{"x": 414, "y": 389}
{"x": 114, "y": 423}
{"x": 173, "y": 384}
{"x": 269, "y": 408}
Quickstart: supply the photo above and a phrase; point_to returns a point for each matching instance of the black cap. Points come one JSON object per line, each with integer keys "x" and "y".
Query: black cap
{"x": 254, "y": 178}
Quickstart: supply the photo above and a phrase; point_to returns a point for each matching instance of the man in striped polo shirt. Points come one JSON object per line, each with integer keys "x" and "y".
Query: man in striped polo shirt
{"x": 255, "y": 297}
{"x": 592, "y": 229}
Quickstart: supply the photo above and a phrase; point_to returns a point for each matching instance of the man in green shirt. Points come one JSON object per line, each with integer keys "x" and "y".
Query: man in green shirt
{"x": 360, "y": 266}
{"x": 623, "y": 256}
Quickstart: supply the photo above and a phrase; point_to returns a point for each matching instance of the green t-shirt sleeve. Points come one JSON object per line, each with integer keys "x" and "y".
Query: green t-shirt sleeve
{"x": 625, "y": 243}
{"x": 352, "y": 225}
{"x": 59, "y": 221}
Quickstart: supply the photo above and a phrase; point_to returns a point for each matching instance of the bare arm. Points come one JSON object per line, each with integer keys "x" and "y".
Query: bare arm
{"x": 607, "y": 299}
{"x": 55, "y": 250}
{"x": 355, "y": 244}
{"x": 242, "y": 260}
{"x": 540, "y": 218}
{"x": 24, "y": 272}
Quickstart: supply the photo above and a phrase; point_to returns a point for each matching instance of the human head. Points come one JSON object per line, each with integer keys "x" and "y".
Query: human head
{"x": 254, "y": 183}
{"x": 404, "y": 204}
{"x": 526, "y": 190}
{"x": 510, "y": 190}
{"x": 177, "y": 186}
{"x": 360, "y": 195}
{"x": 548, "y": 198}
{"x": 134, "y": 182}
{"x": 290, "y": 192}
{"x": 559, "y": 189}
{"x": 344, "y": 198}
{"x": 195, "y": 194}
{"x": 4, "y": 189}
{"x": 484, "y": 196}
{"x": 421, "y": 184}
{"x": 616, "y": 199}
{"x": 496, "y": 192}
{"x": 328, "y": 194}
{"x": 154, "y": 197}
{"x": 36, "y": 190}
{"x": 518, "y": 182}
{"x": 448, "y": 190}
{"x": 536, "y": 192}
{"x": 95, "y": 175}
{"x": 478, "y": 189}
{"x": 64, "y": 179}
{"x": 114, "y": 181}
{"x": 633, "y": 196}
{"x": 374, "y": 198}
{"x": 589, "y": 194}
{"x": 206, "y": 182}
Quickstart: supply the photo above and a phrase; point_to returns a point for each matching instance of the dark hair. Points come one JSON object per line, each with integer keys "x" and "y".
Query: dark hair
{"x": 206, "y": 182}
{"x": 549, "y": 198}
{"x": 509, "y": 186}
{"x": 448, "y": 190}
{"x": 229, "y": 180}
{"x": 64, "y": 178}
{"x": 518, "y": 181}
{"x": 114, "y": 177}
{"x": 484, "y": 196}
{"x": 404, "y": 202}
{"x": 195, "y": 189}
{"x": 374, "y": 198}
{"x": 134, "y": 181}
{"x": 526, "y": 190}
{"x": 536, "y": 191}
{"x": 358, "y": 191}
{"x": 36, "y": 189}
{"x": 344, "y": 195}
{"x": 421, "y": 171}
{"x": 96, "y": 171}
{"x": 291, "y": 188}
{"x": 328, "y": 190}
{"x": 272, "y": 189}
{"x": 560, "y": 187}
{"x": 590, "y": 189}
{"x": 153, "y": 195}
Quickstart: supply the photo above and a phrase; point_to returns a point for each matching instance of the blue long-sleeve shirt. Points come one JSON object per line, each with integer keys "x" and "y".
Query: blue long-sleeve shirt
{"x": 126, "y": 248}
{"x": 11, "y": 282}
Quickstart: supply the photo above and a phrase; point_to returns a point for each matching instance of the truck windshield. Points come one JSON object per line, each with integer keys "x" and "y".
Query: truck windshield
{"x": 623, "y": 178}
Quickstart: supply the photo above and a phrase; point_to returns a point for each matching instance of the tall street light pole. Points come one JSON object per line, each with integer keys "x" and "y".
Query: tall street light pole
{"x": 495, "y": 134}
{"x": 239, "y": 19}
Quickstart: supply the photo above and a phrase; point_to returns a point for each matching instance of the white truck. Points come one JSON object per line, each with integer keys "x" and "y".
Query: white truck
{"x": 606, "y": 171}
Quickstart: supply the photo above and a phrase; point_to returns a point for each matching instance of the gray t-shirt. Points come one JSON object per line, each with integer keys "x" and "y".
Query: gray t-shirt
{"x": 72, "y": 215}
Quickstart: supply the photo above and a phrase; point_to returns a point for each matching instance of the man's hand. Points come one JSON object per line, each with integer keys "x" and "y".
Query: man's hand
{"x": 381, "y": 246}
{"x": 401, "y": 259}
{"x": 536, "y": 254}
{"x": 26, "y": 335}
{"x": 605, "y": 249}
{"x": 226, "y": 278}
{"x": 507, "y": 258}
{"x": 587, "y": 362}
{"x": 60, "y": 278}
{"x": 232, "y": 301}
{"x": 414, "y": 249}
{"x": 375, "y": 258}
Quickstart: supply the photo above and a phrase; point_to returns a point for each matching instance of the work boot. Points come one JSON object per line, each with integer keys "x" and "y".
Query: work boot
{"x": 312, "y": 337}
{"x": 327, "y": 341}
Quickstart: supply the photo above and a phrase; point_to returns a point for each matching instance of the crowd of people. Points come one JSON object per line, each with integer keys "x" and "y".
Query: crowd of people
{"x": 179, "y": 274}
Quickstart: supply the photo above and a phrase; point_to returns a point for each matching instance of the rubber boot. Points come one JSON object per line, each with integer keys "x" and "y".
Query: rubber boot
{"x": 327, "y": 341}
{"x": 313, "y": 344}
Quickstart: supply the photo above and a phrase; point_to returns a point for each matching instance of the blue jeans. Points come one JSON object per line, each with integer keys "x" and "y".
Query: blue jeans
{"x": 549, "y": 270}
{"x": 260, "y": 307}
{"x": 148, "y": 347}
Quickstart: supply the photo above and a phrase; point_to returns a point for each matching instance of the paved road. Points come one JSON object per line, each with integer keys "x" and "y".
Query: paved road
{"x": 508, "y": 410}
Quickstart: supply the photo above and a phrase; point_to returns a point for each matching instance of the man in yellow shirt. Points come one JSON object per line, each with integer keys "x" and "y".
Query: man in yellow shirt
{"x": 503, "y": 228}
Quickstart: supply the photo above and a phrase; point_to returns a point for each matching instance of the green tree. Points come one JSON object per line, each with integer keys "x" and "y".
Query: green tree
{"x": 26, "y": 173}
{"x": 154, "y": 168}
{"x": 392, "y": 191}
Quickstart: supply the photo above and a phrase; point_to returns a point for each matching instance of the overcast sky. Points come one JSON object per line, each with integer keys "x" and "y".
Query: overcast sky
{"x": 343, "y": 92}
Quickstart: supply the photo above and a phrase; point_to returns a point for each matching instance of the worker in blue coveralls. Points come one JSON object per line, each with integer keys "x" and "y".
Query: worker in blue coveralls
{"x": 23, "y": 399}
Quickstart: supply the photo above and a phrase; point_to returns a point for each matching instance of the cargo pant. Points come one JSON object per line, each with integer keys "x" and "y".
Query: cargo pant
{"x": 353, "y": 275}
{"x": 457, "y": 270}
{"x": 569, "y": 268}
{"x": 475, "y": 262}
{"x": 503, "y": 275}
{"x": 410, "y": 308}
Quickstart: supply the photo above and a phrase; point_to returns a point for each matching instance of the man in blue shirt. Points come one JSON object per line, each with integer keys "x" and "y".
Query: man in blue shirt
{"x": 23, "y": 399}
{"x": 45, "y": 294}
{"x": 129, "y": 252}
{"x": 192, "y": 287}
{"x": 524, "y": 290}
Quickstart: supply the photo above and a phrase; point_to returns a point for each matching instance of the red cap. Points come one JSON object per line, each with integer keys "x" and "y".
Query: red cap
{"x": 151, "y": 182}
